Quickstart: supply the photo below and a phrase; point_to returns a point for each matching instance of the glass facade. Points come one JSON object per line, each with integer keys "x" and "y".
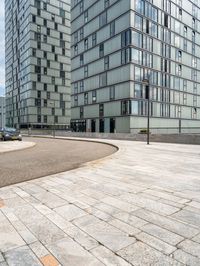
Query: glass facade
{"x": 128, "y": 42}
{"x": 37, "y": 63}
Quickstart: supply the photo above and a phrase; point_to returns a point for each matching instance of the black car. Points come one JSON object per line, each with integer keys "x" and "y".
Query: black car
{"x": 8, "y": 133}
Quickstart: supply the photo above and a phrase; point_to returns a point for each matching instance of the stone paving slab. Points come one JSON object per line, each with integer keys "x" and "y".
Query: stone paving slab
{"x": 139, "y": 206}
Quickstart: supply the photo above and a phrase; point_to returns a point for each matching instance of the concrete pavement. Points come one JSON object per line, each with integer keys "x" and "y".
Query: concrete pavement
{"x": 139, "y": 206}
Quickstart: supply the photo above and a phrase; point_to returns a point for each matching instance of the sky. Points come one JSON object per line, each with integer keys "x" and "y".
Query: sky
{"x": 2, "y": 49}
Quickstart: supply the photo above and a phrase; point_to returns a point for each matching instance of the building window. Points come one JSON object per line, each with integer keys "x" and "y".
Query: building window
{"x": 125, "y": 56}
{"x": 39, "y": 118}
{"x": 81, "y": 85}
{"x": 62, "y": 74}
{"x": 136, "y": 39}
{"x": 62, "y": 13}
{"x": 106, "y": 62}
{"x": 53, "y": 111}
{"x": 75, "y": 100}
{"x": 103, "y": 79}
{"x": 112, "y": 92}
{"x": 103, "y": 19}
{"x": 81, "y": 6}
{"x": 178, "y": 70}
{"x": 166, "y": 18}
{"x": 85, "y": 98}
{"x": 86, "y": 16}
{"x": 76, "y": 87}
{"x": 81, "y": 60}
{"x": 45, "y": 38}
{"x": 76, "y": 49}
{"x": 45, "y": 119}
{"x": 125, "y": 107}
{"x": 34, "y": 85}
{"x": 136, "y": 57}
{"x": 48, "y": 31}
{"x": 37, "y": 3}
{"x": 193, "y": 36}
{"x": 33, "y": 18}
{"x": 193, "y": 23}
{"x": 106, "y": 3}
{"x": 76, "y": 37}
{"x": 112, "y": 28}
{"x": 101, "y": 110}
{"x": 45, "y": 22}
{"x": 85, "y": 71}
{"x": 34, "y": 52}
{"x": 94, "y": 39}
{"x": 185, "y": 31}
{"x": 126, "y": 38}
{"x": 53, "y": 49}
{"x": 37, "y": 69}
{"x": 45, "y": 6}
{"x": 62, "y": 44}
{"x": 45, "y": 71}
{"x": 101, "y": 50}
{"x": 81, "y": 33}
{"x": 37, "y": 102}
{"x": 81, "y": 112}
{"x": 86, "y": 44}
{"x": 94, "y": 96}
{"x": 138, "y": 22}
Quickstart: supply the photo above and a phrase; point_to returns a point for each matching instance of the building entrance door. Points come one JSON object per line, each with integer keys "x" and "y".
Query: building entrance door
{"x": 112, "y": 125}
{"x": 93, "y": 125}
{"x": 101, "y": 125}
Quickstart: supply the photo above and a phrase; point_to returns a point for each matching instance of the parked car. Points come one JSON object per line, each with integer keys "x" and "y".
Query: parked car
{"x": 8, "y": 133}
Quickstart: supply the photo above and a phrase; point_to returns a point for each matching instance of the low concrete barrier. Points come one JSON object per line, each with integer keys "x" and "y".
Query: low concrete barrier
{"x": 167, "y": 138}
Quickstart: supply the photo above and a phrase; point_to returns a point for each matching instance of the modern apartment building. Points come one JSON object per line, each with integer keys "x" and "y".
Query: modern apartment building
{"x": 127, "y": 52}
{"x": 2, "y": 111}
{"x": 38, "y": 63}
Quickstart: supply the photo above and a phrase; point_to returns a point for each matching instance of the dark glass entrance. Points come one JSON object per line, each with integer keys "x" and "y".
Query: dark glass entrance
{"x": 101, "y": 125}
{"x": 79, "y": 126}
{"x": 93, "y": 126}
{"x": 112, "y": 125}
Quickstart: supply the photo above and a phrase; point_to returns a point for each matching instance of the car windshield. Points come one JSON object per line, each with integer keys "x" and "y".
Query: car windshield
{"x": 9, "y": 129}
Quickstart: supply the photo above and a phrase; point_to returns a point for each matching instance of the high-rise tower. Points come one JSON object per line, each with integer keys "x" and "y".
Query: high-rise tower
{"x": 121, "y": 46}
{"x": 37, "y": 63}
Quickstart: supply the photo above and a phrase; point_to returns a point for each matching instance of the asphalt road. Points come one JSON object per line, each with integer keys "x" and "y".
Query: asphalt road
{"x": 49, "y": 156}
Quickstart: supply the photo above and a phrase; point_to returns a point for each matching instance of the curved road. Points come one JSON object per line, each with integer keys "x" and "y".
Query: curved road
{"x": 49, "y": 156}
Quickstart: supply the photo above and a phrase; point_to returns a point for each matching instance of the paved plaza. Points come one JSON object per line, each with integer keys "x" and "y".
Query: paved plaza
{"x": 7, "y": 146}
{"x": 139, "y": 206}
